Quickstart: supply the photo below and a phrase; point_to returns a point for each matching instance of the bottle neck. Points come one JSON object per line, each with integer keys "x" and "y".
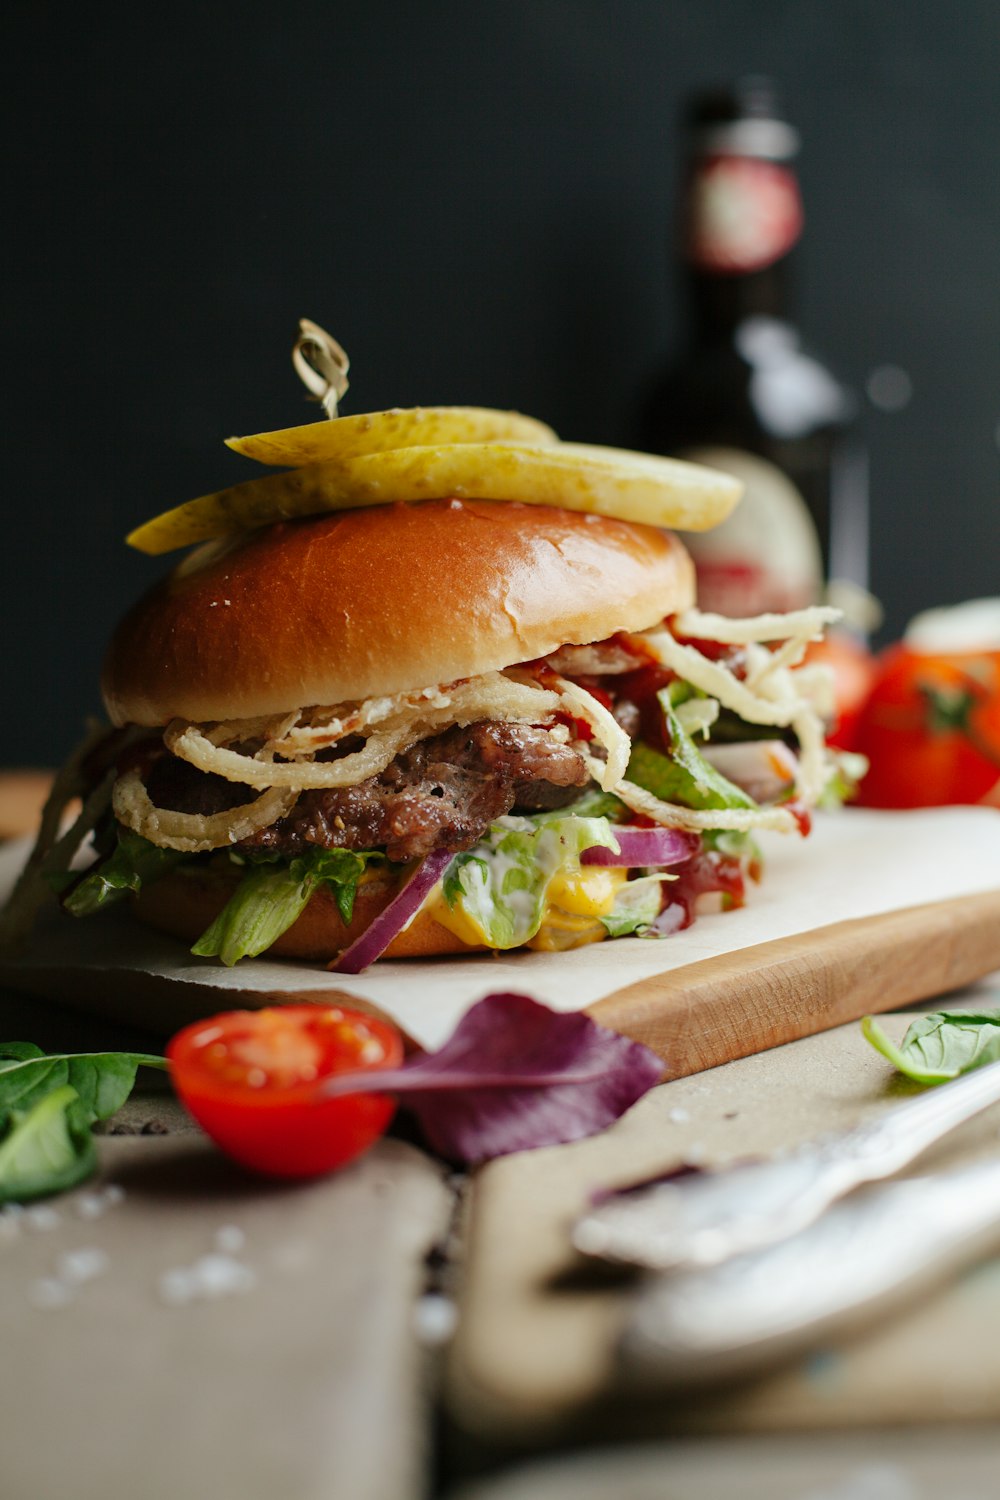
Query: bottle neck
{"x": 720, "y": 304}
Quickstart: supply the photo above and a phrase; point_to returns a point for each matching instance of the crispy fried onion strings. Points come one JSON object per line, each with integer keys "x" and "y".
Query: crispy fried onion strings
{"x": 491, "y": 696}
{"x": 773, "y": 694}
{"x": 191, "y": 832}
{"x": 607, "y": 731}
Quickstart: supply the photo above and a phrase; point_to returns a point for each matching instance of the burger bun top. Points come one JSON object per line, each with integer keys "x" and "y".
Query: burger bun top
{"x": 348, "y": 606}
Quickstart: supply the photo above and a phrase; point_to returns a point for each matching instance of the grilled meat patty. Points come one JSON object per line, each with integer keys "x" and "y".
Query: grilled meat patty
{"x": 442, "y": 793}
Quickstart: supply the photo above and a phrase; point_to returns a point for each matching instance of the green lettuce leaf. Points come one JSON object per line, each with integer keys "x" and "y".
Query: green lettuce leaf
{"x": 673, "y": 781}
{"x": 271, "y": 896}
{"x": 735, "y": 845}
{"x": 503, "y": 882}
{"x": 134, "y": 863}
{"x": 849, "y": 769}
{"x": 941, "y": 1046}
{"x": 636, "y": 906}
{"x": 683, "y": 775}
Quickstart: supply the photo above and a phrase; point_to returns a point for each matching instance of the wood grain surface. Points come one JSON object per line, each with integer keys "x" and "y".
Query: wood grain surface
{"x": 740, "y": 1003}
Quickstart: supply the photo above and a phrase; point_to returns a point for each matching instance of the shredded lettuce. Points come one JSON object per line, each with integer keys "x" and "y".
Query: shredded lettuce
{"x": 637, "y": 905}
{"x": 135, "y": 863}
{"x": 502, "y": 884}
{"x": 272, "y": 895}
{"x": 733, "y": 844}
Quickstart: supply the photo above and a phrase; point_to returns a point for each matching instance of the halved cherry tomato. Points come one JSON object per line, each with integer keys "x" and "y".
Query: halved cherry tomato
{"x": 251, "y": 1078}
{"x": 854, "y": 672}
{"x": 931, "y": 729}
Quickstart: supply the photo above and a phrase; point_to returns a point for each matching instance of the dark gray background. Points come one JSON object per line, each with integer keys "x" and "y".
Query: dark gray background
{"x": 476, "y": 199}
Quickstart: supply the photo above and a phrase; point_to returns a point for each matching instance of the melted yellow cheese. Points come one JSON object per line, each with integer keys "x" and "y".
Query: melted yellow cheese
{"x": 576, "y": 900}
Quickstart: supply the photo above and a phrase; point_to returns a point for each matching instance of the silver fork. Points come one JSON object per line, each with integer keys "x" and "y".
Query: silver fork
{"x": 866, "y": 1258}
{"x": 704, "y": 1219}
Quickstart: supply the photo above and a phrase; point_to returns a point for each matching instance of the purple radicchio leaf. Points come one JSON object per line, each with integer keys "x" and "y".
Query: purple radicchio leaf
{"x": 515, "y": 1075}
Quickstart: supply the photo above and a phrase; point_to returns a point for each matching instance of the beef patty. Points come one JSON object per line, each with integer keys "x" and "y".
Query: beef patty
{"x": 442, "y": 793}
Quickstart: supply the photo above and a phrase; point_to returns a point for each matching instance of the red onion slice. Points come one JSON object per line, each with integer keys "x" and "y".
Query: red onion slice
{"x": 393, "y": 918}
{"x": 645, "y": 846}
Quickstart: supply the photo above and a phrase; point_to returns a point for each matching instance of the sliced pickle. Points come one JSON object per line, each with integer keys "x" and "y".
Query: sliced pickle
{"x": 403, "y": 427}
{"x": 603, "y": 481}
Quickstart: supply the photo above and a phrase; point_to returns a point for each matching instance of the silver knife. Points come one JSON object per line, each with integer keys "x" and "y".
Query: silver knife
{"x": 871, "y": 1252}
{"x": 702, "y": 1219}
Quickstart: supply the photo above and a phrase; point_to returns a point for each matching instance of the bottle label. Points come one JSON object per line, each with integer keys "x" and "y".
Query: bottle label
{"x": 744, "y": 214}
{"x": 766, "y": 556}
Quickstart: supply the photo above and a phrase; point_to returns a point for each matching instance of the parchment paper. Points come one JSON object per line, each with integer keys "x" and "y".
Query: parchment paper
{"x": 856, "y": 863}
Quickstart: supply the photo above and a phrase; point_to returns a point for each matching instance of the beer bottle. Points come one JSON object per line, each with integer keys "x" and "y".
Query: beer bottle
{"x": 745, "y": 395}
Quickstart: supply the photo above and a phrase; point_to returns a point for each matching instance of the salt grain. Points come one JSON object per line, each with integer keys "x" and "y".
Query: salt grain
{"x": 42, "y": 1217}
{"x": 211, "y": 1276}
{"x": 221, "y": 1276}
{"x": 680, "y": 1116}
{"x": 435, "y": 1318}
{"x": 89, "y": 1205}
{"x": 83, "y": 1265}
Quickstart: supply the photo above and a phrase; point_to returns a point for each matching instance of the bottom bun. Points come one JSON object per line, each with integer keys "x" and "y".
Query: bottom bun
{"x": 184, "y": 905}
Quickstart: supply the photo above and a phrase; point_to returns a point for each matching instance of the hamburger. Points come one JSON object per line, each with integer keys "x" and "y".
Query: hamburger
{"x": 395, "y": 703}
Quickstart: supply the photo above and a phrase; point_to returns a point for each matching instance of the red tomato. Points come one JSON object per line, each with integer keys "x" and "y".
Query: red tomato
{"x": 931, "y": 729}
{"x": 854, "y": 672}
{"x": 251, "y": 1079}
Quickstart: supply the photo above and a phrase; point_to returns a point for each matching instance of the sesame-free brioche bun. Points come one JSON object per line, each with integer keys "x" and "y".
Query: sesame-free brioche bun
{"x": 185, "y": 904}
{"x": 352, "y": 605}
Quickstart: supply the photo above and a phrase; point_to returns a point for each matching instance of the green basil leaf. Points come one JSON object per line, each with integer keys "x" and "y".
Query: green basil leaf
{"x": 46, "y": 1149}
{"x": 941, "y": 1046}
{"x": 102, "y": 1080}
{"x": 11, "y": 1052}
{"x": 134, "y": 863}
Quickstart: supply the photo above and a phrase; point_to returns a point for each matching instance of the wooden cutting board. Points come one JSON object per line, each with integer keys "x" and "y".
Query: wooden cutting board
{"x": 745, "y": 1002}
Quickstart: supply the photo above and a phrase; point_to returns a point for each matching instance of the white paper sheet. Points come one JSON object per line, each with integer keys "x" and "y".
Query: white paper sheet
{"x": 855, "y": 863}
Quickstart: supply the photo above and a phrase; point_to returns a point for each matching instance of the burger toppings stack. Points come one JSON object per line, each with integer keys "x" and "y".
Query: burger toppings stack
{"x": 441, "y": 685}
